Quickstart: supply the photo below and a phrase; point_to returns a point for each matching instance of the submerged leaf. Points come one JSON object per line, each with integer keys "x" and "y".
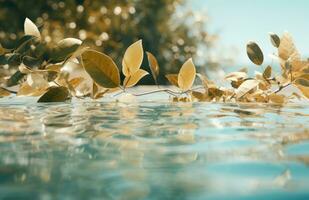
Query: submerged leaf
{"x": 186, "y": 75}
{"x": 133, "y": 80}
{"x": 173, "y": 79}
{"x": 275, "y": 39}
{"x": 255, "y": 53}
{"x": 31, "y": 29}
{"x": 133, "y": 58}
{"x": 246, "y": 87}
{"x": 154, "y": 66}
{"x": 101, "y": 68}
{"x": 55, "y": 94}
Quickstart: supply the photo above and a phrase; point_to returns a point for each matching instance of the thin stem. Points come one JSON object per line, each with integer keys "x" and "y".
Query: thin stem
{"x": 282, "y": 87}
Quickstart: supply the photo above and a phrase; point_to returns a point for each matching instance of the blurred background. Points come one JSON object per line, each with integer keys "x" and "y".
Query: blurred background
{"x": 213, "y": 32}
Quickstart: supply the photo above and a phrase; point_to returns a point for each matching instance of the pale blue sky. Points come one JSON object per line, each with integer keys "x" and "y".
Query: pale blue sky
{"x": 238, "y": 21}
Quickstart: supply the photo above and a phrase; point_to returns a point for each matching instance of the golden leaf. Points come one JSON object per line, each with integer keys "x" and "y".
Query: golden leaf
{"x": 173, "y": 79}
{"x": 304, "y": 90}
{"x": 200, "y": 96}
{"x": 31, "y": 29}
{"x": 246, "y": 87}
{"x": 26, "y": 90}
{"x": 154, "y": 66}
{"x": 287, "y": 47}
{"x": 302, "y": 82}
{"x": 133, "y": 79}
{"x": 37, "y": 81}
{"x": 277, "y": 98}
{"x": 101, "y": 69}
{"x": 55, "y": 94}
{"x": 4, "y": 93}
{"x": 74, "y": 82}
{"x": 254, "y": 53}
{"x": 186, "y": 75}
{"x": 132, "y": 58}
{"x": 267, "y": 72}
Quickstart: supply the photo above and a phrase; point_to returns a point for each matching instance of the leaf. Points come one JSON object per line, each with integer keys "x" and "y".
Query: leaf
{"x": 254, "y": 53}
{"x": 31, "y": 29}
{"x": 275, "y": 39}
{"x": 277, "y": 98}
{"x": 133, "y": 58}
{"x": 2, "y": 50}
{"x": 26, "y": 90}
{"x": 32, "y": 62}
{"x": 287, "y": 47}
{"x": 64, "y": 49}
{"x": 267, "y": 72}
{"x": 304, "y": 90}
{"x": 154, "y": 66}
{"x": 186, "y": 75}
{"x": 14, "y": 79}
{"x": 302, "y": 82}
{"x": 246, "y": 87}
{"x": 101, "y": 69}
{"x": 55, "y": 94}
{"x": 173, "y": 79}
{"x": 236, "y": 76}
{"x": 132, "y": 80}
{"x": 36, "y": 81}
{"x": 4, "y": 93}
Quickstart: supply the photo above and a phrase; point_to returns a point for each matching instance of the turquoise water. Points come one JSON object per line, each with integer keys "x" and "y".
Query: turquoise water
{"x": 147, "y": 150}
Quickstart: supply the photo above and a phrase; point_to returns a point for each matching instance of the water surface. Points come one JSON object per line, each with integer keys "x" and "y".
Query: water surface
{"x": 153, "y": 150}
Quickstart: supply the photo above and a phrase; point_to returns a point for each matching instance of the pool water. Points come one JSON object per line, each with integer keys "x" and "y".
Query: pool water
{"x": 153, "y": 150}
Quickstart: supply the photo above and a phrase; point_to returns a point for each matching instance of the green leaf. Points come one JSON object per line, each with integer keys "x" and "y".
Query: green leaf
{"x": 55, "y": 94}
{"x": 254, "y": 53}
{"x": 101, "y": 69}
{"x": 275, "y": 39}
{"x": 14, "y": 59}
{"x": 14, "y": 79}
{"x": 64, "y": 49}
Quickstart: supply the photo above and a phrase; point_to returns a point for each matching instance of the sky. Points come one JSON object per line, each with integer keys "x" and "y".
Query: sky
{"x": 239, "y": 21}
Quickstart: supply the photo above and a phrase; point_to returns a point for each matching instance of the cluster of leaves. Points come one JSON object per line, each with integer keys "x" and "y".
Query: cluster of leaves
{"x": 70, "y": 69}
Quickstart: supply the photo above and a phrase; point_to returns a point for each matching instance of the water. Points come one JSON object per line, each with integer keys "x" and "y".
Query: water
{"x": 147, "y": 150}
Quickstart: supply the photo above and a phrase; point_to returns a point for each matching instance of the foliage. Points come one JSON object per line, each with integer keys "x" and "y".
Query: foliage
{"x": 71, "y": 69}
{"x": 168, "y": 29}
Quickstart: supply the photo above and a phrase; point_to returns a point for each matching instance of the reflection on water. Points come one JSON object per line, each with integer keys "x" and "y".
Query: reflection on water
{"x": 93, "y": 150}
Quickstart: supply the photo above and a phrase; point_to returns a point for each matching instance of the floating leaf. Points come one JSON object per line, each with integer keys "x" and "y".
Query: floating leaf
{"x": 277, "y": 98}
{"x": 132, "y": 80}
{"x": 186, "y": 75}
{"x": 101, "y": 69}
{"x": 275, "y": 39}
{"x": 31, "y": 29}
{"x": 154, "y": 66}
{"x": 132, "y": 58}
{"x": 267, "y": 72}
{"x": 55, "y": 94}
{"x": 255, "y": 53}
{"x": 64, "y": 49}
{"x": 287, "y": 47}
{"x": 173, "y": 79}
{"x": 246, "y": 87}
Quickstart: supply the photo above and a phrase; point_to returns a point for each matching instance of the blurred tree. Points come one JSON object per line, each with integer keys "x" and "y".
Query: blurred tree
{"x": 172, "y": 34}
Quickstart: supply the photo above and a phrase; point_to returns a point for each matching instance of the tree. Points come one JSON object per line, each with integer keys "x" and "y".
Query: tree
{"x": 167, "y": 30}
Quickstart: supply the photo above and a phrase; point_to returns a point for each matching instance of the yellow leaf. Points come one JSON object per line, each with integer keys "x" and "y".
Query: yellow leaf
{"x": 55, "y": 94}
{"x": 154, "y": 66}
{"x": 186, "y": 75}
{"x": 26, "y": 90}
{"x": 173, "y": 79}
{"x": 277, "y": 98}
{"x": 132, "y": 58}
{"x": 132, "y": 80}
{"x": 304, "y": 90}
{"x": 235, "y": 76}
{"x": 287, "y": 47}
{"x": 302, "y": 82}
{"x": 31, "y": 29}
{"x": 101, "y": 69}
{"x": 246, "y": 87}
